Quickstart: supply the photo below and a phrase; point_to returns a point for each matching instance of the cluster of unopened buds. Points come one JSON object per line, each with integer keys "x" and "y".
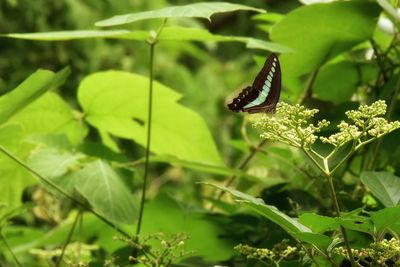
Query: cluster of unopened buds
{"x": 291, "y": 125}
{"x": 381, "y": 253}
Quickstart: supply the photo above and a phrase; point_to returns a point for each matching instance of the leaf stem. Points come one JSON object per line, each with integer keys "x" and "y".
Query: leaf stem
{"x": 342, "y": 229}
{"x": 60, "y": 190}
{"x": 68, "y": 238}
{"x": 9, "y": 249}
{"x": 241, "y": 166}
{"x": 147, "y": 157}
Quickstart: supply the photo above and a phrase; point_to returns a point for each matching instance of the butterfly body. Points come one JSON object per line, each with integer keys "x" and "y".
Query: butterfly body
{"x": 263, "y": 94}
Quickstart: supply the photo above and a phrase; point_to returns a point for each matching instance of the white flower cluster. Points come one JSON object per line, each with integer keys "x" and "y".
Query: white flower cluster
{"x": 290, "y": 125}
{"x": 366, "y": 125}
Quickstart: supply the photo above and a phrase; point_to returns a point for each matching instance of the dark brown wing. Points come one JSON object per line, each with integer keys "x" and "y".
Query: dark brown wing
{"x": 272, "y": 99}
{"x": 250, "y": 93}
{"x": 247, "y": 95}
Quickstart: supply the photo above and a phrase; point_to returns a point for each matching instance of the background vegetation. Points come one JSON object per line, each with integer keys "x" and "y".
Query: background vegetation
{"x": 74, "y": 120}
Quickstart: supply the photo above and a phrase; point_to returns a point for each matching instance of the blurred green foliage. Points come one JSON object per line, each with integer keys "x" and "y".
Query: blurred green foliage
{"x": 93, "y": 125}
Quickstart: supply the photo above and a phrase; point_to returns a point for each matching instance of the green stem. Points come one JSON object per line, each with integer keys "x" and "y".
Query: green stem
{"x": 242, "y": 165}
{"x": 342, "y": 229}
{"x": 147, "y": 159}
{"x": 60, "y": 190}
{"x": 68, "y": 239}
{"x": 9, "y": 249}
{"x": 322, "y": 169}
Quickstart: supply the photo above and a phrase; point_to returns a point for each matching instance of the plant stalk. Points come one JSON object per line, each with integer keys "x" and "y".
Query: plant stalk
{"x": 337, "y": 210}
{"x": 68, "y": 239}
{"x": 147, "y": 158}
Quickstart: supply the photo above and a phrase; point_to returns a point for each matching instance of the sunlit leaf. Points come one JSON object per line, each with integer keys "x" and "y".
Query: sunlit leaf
{"x": 384, "y": 186}
{"x": 50, "y": 114}
{"x": 51, "y": 163}
{"x": 116, "y": 102}
{"x": 197, "y": 10}
{"x": 29, "y": 90}
{"x": 71, "y": 35}
{"x": 321, "y": 31}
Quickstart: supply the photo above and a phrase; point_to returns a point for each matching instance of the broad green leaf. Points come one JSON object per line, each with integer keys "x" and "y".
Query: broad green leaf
{"x": 102, "y": 187}
{"x": 116, "y": 102}
{"x": 320, "y": 241}
{"x": 197, "y": 10}
{"x": 13, "y": 178}
{"x": 385, "y": 218}
{"x": 336, "y": 82}
{"x": 290, "y": 225}
{"x": 356, "y": 222}
{"x": 318, "y": 223}
{"x": 384, "y": 186}
{"x": 321, "y": 31}
{"x": 51, "y": 163}
{"x": 71, "y": 35}
{"x": 206, "y": 238}
{"x": 50, "y": 114}
{"x": 29, "y": 90}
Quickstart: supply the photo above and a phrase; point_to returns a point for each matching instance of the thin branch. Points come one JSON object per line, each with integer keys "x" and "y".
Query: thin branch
{"x": 241, "y": 166}
{"x": 68, "y": 239}
{"x": 147, "y": 159}
{"x": 152, "y": 41}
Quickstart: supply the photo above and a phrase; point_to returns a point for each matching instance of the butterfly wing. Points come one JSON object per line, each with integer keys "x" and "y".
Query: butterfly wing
{"x": 264, "y": 94}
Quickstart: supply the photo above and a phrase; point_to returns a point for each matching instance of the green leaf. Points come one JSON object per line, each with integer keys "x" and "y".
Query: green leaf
{"x": 290, "y": 225}
{"x": 50, "y": 114}
{"x": 320, "y": 241}
{"x": 206, "y": 238}
{"x": 356, "y": 222}
{"x": 318, "y": 223}
{"x": 197, "y": 10}
{"x": 384, "y": 186}
{"x": 321, "y": 31}
{"x": 29, "y": 90}
{"x": 269, "y": 46}
{"x": 104, "y": 190}
{"x": 71, "y": 35}
{"x": 13, "y": 178}
{"x": 50, "y": 162}
{"x": 116, "y": 102}
{"x": 336, "y": 82}
{"x": 385, "y": 218}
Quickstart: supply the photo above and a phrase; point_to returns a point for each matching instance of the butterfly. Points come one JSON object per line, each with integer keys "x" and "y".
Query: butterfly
{"x": 263, "y": 94}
